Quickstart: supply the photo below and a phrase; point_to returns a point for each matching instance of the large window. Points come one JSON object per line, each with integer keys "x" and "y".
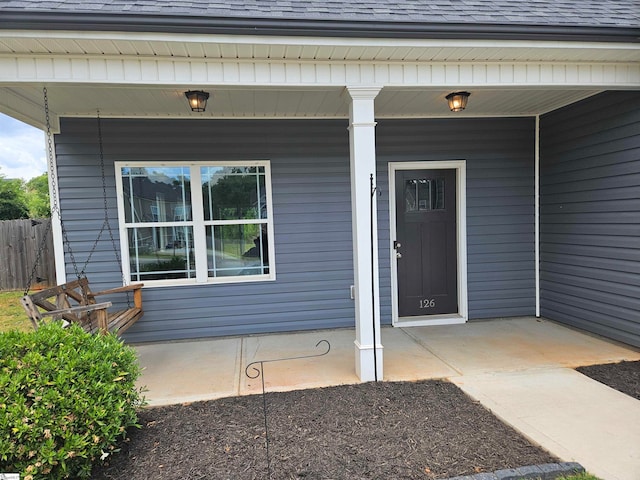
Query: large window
{"x": 195, "y": 223}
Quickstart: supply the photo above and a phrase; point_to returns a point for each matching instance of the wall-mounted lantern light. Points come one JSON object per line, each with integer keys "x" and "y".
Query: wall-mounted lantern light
{"x": 458, "y": 101}
{"x": 197, "y": 100}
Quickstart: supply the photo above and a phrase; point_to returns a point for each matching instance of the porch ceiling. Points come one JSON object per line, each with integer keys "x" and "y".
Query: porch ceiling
{"x": 321, "y": 102}
{"x": 133, "y": 74}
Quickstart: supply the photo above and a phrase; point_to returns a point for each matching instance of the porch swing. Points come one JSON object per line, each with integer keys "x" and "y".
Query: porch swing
{"x": 74, "y": 302}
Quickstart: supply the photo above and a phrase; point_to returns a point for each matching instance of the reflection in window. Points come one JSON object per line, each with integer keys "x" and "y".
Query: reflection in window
{"x": 234, "y": 193}
{"x": 159, "y": 197}
{"x": 165, "y": 227}
{"x": 237, "y": 250}
{"x": 156, "y": 194}
{"x": 159, "y": 253}
{"x": 235, "y": 210}
{"x": 424, "y": 194}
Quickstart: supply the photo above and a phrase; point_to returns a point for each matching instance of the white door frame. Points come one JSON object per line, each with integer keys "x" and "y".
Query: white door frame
{"x": 460, "y": 166}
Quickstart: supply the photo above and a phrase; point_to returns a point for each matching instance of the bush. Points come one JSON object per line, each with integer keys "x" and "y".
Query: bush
{"x": 66, "y": 398}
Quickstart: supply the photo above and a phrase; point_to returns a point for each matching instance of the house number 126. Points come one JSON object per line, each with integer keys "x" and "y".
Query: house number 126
{"x": 428, "y": 303}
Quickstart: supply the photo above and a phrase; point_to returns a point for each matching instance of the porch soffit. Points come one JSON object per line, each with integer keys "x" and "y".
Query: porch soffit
{"x": 142, "y": 74}
{"x": 138, "y": 102}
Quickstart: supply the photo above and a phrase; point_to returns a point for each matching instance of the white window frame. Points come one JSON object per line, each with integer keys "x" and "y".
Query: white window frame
{"x": 198, "y": 223}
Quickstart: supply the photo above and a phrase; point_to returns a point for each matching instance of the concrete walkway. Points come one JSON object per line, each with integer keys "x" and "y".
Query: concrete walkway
{"x": 520, "y": 369}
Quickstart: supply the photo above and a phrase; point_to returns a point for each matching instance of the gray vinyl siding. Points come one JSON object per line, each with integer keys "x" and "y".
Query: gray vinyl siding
{"x": 590, "y": 215}
{"x": 312, "y": 221}
{"x": 312, "y": 215}
{"x": 499, "y": 155}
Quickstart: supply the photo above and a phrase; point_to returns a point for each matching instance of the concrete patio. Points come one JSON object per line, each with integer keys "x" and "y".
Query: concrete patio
{"x": 521, "y": 369}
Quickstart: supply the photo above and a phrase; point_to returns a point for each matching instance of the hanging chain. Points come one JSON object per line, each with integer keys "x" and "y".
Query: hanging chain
{"x": 54, "y": 188}
{"x": 41, "y": 248}
{"x": 116, "y": 249}
{"x": 52, "y": 172}
{"x": 55, "y": 209}
{"x": 105, "y": 220}
{"x": 105, "y": 223}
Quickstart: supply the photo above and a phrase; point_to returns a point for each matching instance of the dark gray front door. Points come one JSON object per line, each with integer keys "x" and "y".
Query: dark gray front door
{"x": 426, "y": 242}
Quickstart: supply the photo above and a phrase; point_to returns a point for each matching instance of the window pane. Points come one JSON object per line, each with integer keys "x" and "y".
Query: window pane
{"x": 159, "y": 253}
{"x": 156, "y": 194}
{"x": 233, "y": 193}
{"x": 424, "y": 194}
{"x": 437, "y": 194}
{"x": 234, "y": 250}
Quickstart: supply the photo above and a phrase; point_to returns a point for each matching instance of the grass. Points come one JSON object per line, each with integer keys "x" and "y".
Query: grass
{"x": 579, "y": 476}
{"x": 12, "y": 315}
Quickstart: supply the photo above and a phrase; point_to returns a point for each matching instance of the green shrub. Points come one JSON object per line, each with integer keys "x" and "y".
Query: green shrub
{"x": 176, "y": 265}
{"x": 66, "y": 398}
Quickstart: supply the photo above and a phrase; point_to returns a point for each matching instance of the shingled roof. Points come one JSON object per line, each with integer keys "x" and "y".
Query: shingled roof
{"x": 532, "y": 12}
{"x": 550, "y": 14}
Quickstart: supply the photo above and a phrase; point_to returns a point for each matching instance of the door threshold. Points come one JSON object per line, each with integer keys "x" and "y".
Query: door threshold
{"x": 425, "y": 320}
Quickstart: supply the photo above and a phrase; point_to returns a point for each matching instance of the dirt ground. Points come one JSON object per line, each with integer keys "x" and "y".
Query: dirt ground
{"x": 623, "y": 376}
{"x": 390, "y": 430}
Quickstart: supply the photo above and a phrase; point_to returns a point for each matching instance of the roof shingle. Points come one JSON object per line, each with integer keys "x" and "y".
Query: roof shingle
{"x": 592, "y": 13}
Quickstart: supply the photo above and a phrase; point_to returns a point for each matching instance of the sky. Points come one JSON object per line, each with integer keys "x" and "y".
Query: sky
{"x": 22, "y": 149}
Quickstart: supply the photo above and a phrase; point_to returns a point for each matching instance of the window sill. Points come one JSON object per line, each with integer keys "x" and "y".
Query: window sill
{"x": 212, "y": 281}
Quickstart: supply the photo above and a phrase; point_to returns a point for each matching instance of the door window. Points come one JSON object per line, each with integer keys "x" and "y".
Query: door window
{"x": 424, "y": 194}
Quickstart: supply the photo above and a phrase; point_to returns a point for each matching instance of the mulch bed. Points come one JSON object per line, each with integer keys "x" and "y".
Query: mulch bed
{"x": 388, "y": 430}
{"x": 623, "y": 376}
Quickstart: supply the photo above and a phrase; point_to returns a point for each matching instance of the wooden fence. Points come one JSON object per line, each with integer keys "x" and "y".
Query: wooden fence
{"x": 20, "y": 241}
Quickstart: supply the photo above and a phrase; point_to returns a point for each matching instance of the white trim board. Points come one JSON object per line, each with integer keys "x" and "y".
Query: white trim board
{"x": 167, "y": 71}
{"x": 56, "y": 217}
{"x": 537, "y": 211}
{"x": 461, "y": 226}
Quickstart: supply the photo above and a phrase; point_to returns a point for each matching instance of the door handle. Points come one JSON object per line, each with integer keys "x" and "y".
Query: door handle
{"x": 398, "y": 255}
{"x": 396, "y": 245}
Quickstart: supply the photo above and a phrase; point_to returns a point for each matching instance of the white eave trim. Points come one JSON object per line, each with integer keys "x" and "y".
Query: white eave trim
{"x": 266, "y": 47}
{"x": 70, "y": 69}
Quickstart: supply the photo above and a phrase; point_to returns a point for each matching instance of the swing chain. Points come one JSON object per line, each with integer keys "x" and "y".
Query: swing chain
{"x": 52, "y": 172}
{"x": 41, "y": 248}
{"x": 54, "y": 188}
{"x": 104, "y": 196}
{"x": 55, "y": 209}
{"x": 105, "y": 224}
{"x": 116, "y": 250}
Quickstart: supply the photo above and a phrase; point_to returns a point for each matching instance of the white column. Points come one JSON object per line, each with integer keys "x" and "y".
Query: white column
{"x": 56, "y": 223}
{"x": 367, "y": 290}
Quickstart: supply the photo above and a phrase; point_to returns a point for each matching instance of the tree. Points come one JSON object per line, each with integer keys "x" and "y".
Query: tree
{"x": 37, "y": 194}
{"x": 13, "y": 201}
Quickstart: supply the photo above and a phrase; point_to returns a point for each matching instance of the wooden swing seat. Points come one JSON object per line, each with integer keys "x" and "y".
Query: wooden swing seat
{"x": 74, "y": 302}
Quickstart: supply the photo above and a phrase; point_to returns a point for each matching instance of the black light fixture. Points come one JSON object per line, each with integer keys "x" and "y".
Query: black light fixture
{"x": 197, "y": 100}
{"x": 458, "y": 101}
